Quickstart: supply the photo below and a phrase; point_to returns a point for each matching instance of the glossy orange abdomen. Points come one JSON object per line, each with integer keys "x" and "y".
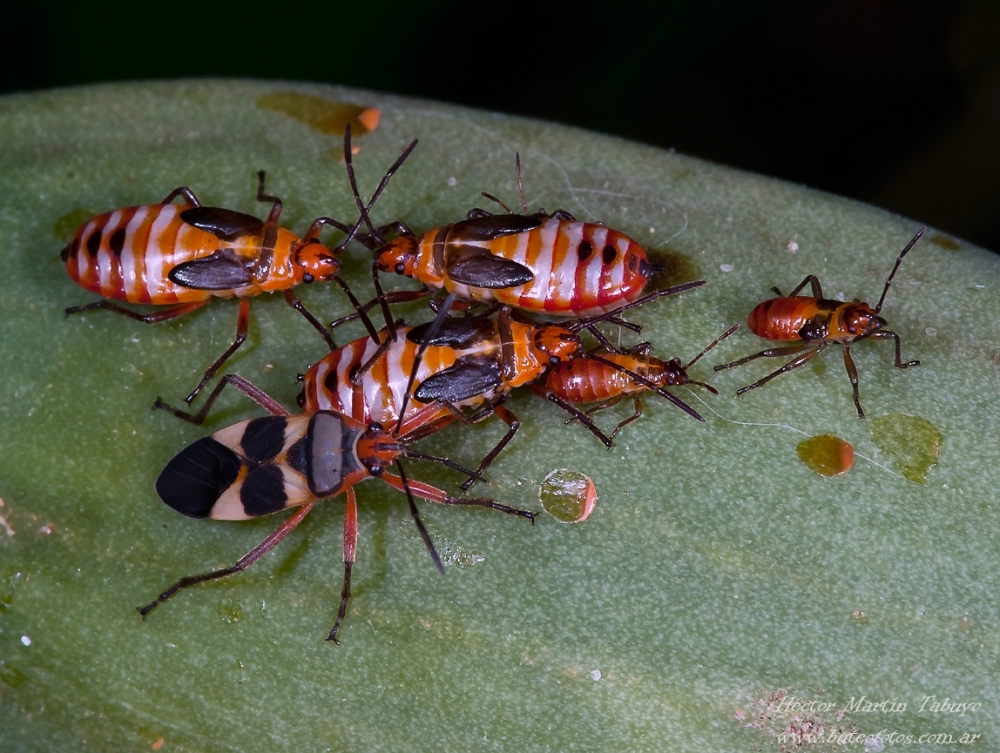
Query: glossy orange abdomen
{"x": 782, "y": 318}
{"x": 584, "y": 380}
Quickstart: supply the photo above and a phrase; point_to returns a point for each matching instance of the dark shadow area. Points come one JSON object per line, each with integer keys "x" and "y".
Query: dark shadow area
{"x": 893, "y": 102}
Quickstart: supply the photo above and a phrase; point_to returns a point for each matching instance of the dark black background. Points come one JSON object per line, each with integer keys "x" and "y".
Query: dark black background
{"x": 894, "y": 102}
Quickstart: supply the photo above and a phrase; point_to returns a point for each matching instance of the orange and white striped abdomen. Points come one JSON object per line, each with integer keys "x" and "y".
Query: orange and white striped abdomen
{"x": 379, "y": 396}
{"x": 579, "y": 268}
{"x": 782, "y": 318}
{"x": 127, "y": 255}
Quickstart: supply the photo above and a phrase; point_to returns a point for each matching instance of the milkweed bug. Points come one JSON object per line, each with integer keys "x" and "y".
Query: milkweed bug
{"x": 815, "y": 323}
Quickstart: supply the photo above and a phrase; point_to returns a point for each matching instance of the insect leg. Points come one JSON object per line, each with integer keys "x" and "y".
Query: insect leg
{"x": 249, "y": 389}
{"x": 884, "y": 334}
{"x": 637, "y": 404}
{"x": 605, "y": 342}
{"x": 184, "y": 191}
{"x": 601, "y": 406}
{"x": 767, "y": 353}
{"x": 397, "y": 296}
{"x": 793, "y": 364}
{"x": 433, "y": 494}
{"x": 813, "y": 280}
{"x": 154, "y": 317}
{"x": 852, "y": 374}
{"x": 580, "y": 416}
{"x": 296, "y": 303}
{"x": 242, "y": 325}
{"x": 242, "y": 564}
{"x": 350, "y": 547}
{"x": 275, "y": 213}
{"x": 513, "y": 424}
{"x": 631, "y": 326}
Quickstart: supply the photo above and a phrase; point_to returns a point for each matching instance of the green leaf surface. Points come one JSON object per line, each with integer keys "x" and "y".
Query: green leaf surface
{"x": 717, "y": 577}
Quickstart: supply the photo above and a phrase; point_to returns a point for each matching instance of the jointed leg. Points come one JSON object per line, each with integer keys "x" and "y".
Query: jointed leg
{"x": 242, "y": 564}
{"x": 397, "y": 296}
{"x": 884, "y": 334}
{"x": 242, "y": 325}
{"x": 852, "y": 374}
{"x": 580, "y": 416}
{"x": 636, "y": 403}
{"x": 184, "y": 191}
{"x": 512, "y": 426}
{"x": 155, "y": 317}
{"x": 296, "y": 303}
{"x": 433, "y": 494}
{"x": 793, "y": 364}
{"x": 350, "y": 547}
{"x": 811, "y": 280}
{"x": 767, "y": 353}
{"x": 275, "y": 213}
{"x": 249, "y": 389}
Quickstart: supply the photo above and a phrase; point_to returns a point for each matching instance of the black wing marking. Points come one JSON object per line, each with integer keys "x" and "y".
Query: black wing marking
{"x": 197, "y": 476}
{"x": 493, "y": 226}
{"x": 224, "y": 223}
{"x": 460, "y": 382}
{"x": 475, "y": 266}
{"x": 454, "y": 332}
{"x": 223, "y": 270}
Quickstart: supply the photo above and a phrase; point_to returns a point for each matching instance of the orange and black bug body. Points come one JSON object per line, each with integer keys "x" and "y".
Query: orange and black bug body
{"x": 266, "y": 465}
{"x": 550, "y": 264}
{"x": 465, "y": 369}
{"x": 467, "y": 364}
{"x": 608, "y": 377}
{"x": 469, "y": 361}
{"x": 543, "y": 263}
{"x": 815, "y": 322}
{"x": 181, "y": 255}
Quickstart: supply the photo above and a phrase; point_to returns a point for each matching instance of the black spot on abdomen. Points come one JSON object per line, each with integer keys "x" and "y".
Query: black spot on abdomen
{"x": 72, "y": 249}
{"x": 330, "y": 381}
{"x": 584, "y": 250}
{"x": 609, "y": 254}
{"x": 94, "y": 243}
{"x": 117, "y": 241}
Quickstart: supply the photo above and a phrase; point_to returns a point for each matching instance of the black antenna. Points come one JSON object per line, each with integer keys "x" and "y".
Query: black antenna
{"x": 645, "y": 382}
{"x": 366, "y": 219}
{"x": 520, "y": 186}
{"x": 715, "y": 342}
{"x": 475, "y": 475}
{"x": 416, "y": 519}
{"x": 431, "y": 332}
{"x": 899, "y": 260}
{"x": 586, "y": 322}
